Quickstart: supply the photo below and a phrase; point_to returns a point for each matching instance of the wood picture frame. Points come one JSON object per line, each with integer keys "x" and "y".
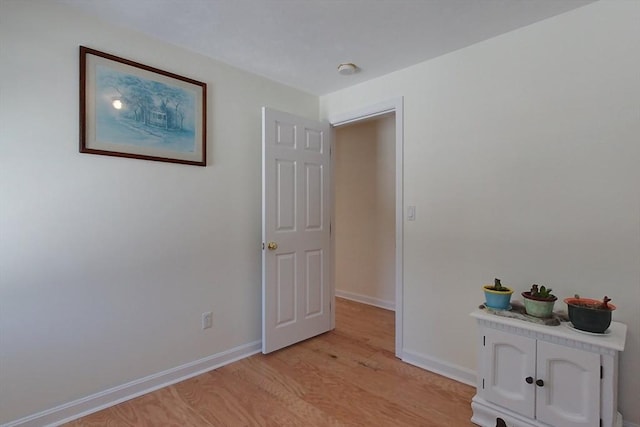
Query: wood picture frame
{"x": 128, "y": 109}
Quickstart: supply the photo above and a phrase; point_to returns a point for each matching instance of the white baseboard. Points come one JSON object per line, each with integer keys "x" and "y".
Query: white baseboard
{"x": 364, "y": 299}
{"x": 629, "y": 424}
{"x": 457, "y": 373}
{"x": 104, "y": 399}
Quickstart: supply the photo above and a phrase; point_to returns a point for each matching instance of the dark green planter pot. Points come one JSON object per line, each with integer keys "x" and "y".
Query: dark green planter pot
{"x": 585, "y": 315}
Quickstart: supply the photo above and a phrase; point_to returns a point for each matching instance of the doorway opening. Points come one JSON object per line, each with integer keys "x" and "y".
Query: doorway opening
{"x": 364, "y": 211}
{"x": 368, "y": 208}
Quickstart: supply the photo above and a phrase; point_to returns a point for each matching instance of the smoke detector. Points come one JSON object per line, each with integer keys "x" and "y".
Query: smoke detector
{"x": 348, "y": 68}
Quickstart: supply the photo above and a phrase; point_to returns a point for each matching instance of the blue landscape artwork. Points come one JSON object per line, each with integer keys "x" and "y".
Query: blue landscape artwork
{"x": 144, "y": 113}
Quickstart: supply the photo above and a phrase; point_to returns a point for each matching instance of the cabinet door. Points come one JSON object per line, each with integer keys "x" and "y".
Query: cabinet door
{"x": 570, "y": 396}
{"x": 507, "y": 361}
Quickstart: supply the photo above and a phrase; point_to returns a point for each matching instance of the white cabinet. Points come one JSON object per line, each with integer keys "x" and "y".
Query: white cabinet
{"x": 531, "y": 375}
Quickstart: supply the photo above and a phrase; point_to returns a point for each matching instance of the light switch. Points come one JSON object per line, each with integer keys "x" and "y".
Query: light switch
{"x": 411, "y": 213}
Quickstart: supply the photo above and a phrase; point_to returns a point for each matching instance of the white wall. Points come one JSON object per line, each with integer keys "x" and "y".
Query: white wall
{"x": 106, "y": 264}
{"x": 522, "y": 157}
{"x": 364, "y": 222}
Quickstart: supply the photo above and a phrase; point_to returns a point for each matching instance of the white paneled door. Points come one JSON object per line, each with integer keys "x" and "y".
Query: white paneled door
{"x": 296, "y": 293}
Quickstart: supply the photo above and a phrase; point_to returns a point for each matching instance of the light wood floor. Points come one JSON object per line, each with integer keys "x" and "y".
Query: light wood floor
{"x": 346, "y": 377}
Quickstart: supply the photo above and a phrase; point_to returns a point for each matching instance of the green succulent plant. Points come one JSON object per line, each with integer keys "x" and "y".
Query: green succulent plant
{"x": 497, "y": 286}
{"x": 541, "y": 292}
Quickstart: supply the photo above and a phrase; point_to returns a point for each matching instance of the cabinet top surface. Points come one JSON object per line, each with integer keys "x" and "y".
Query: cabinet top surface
{"x": 613, "y": 339}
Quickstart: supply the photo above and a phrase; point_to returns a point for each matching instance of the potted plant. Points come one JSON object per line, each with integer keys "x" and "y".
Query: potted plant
{"x": 539, "y": 301}
{"x": 590, "y": 315}
{"x": 497, "y": 296}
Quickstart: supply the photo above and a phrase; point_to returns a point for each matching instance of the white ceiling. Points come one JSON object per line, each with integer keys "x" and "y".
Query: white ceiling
{"x": 301, "y": 42}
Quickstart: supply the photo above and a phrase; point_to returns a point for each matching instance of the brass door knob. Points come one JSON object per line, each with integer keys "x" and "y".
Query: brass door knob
{"x": 272, "y": 246}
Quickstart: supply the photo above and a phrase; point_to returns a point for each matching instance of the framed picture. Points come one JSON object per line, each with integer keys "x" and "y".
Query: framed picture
{"x": 132, "y": 110}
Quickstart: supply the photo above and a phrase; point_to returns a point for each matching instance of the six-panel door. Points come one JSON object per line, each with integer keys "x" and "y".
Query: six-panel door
{"x": 296, "y": 261}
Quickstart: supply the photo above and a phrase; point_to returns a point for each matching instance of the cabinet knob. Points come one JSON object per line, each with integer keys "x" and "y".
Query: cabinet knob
{"x": 529, "y": 380}
{"x": 539, "y": 383}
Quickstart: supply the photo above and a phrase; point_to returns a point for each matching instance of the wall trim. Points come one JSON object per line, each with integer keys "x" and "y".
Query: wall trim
{"x": 449, "y": 370}
{"x": 110, "y": 397}
{"x": 365, "y": 299}
{"x": 629, "y": 424}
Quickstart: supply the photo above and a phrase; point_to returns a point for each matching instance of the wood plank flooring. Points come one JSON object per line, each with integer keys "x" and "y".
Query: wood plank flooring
{"x": 346, "y": 377}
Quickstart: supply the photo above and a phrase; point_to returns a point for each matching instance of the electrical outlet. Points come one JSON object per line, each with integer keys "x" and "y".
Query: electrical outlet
{"x": 207, "y": 320}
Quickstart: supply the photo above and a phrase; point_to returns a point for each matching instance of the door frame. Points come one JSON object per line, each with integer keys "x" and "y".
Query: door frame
{"x": 395, "y": 105}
